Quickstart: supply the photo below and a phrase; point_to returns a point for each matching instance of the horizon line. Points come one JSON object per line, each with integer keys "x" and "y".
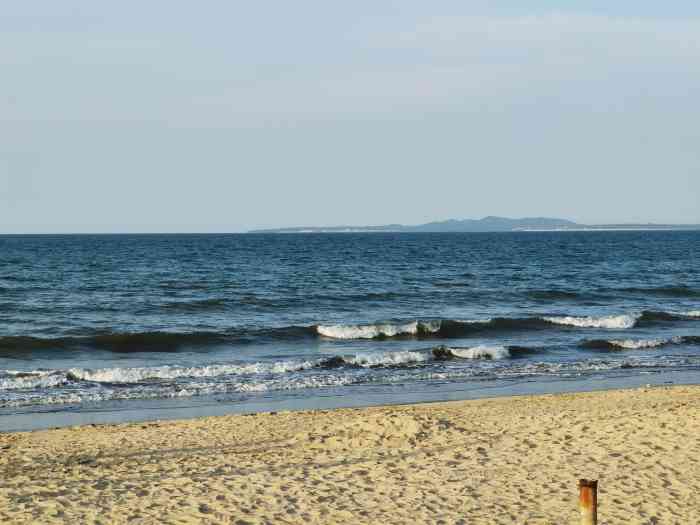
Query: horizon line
{"x": 358, "y": 229}
{"x": 573, "y": 225}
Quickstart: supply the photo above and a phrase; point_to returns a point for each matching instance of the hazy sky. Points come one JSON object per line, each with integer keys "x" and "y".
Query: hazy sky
{"x": 225, "y": 116}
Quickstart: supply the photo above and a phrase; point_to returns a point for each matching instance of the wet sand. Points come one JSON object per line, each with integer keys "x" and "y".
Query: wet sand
{"x": 504, "y": 460}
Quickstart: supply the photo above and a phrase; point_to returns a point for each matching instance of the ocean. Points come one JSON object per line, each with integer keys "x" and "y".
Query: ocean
{"x": 104, "y": 328}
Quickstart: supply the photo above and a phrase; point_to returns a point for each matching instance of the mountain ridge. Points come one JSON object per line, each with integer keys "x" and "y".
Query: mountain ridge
{"x": 490, "y": 223}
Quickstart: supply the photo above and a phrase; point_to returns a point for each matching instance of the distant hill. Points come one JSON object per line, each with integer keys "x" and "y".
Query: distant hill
{"x": 487, "y": 224}
{"x": 493, "y": 224}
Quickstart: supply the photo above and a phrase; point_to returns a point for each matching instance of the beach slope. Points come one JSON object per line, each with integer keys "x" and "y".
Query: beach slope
{"x": 506, "y": 460}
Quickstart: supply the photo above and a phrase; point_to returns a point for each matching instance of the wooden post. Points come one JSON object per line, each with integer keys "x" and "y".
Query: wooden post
{"x": 588, "y": 501}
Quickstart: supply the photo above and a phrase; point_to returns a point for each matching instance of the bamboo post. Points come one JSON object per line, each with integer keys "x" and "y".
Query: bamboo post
{"x": 588, "y": 501}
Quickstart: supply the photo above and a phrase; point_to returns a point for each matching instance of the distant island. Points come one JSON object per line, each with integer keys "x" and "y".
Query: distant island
{"x": 487, "y": 224}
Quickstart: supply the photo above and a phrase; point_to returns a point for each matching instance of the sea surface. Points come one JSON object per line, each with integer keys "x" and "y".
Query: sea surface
{"x": 126, "y": 327}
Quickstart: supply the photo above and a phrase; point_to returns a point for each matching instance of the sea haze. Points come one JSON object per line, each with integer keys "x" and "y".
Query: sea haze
{"x": 104, "y": 328}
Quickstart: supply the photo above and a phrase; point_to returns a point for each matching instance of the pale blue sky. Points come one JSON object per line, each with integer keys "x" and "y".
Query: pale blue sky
{"x": 225, "y": 116}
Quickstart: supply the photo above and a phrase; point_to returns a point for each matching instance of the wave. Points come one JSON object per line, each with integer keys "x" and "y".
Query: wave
{"x": 115, "y": 342}
{"x": 153, "y": 341}
{"x": 624, "y": 321}
{"x": 170, "y": 391}
{"x": 638, "y": 344}
{"x": 453, "y": 329}
{"x": 431, "y": 329}
{"x": 377, "y": 331}
{"x": 448, "y": 329}
{"x": 87, "y": 392}
{"x": 610, "y": 322}
{"x": 167, "y": 372}
{"x": 479, "y": 352}
{"x": 439, "y": 353}
{"x": 12, "y": 380}
{"x": 387, "y": 359}
{"x": 442, "y": 329}
{"x": 651, "y": 317}
{"x": 626, "y": 344}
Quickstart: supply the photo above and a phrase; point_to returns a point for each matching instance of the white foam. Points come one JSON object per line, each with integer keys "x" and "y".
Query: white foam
{"x": 610, "y": 322}
{"x": 374, "y": 331}
{"x": 137, "y": 375}
{"x": 692, "y": 313}
{"x": 14, "y": 380}
{"x": 388, "y": 358}
{"x": 164, "y": 391}
{"x": 314, "y": 381}
{"x": 481, "y": 352}
{"x": 75, "y": 393}
{"x": 636, "y": 344}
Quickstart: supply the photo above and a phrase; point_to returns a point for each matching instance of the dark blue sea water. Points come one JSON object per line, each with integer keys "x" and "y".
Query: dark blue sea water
{"x": 136, "y": 325}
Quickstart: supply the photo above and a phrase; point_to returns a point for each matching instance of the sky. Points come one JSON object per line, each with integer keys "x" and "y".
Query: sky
{"x": 220, "y": 116}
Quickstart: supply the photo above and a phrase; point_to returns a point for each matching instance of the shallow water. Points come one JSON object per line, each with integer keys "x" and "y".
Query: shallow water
{"x": 114, "y": 323}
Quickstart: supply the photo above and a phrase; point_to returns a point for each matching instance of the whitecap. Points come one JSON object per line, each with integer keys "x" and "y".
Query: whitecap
{"x": 373, "y": 331}
{"x": 16, "y": 380}
{"x": 140, "y": 374}
{"x": 637, "y": 344}
{"x": 388, "y": 359}
{"x": 610, "y": 322}
{"x": 481, "y": 352}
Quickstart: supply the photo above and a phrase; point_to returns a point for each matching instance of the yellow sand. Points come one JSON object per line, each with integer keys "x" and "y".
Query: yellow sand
{"x": 508, "y": 460}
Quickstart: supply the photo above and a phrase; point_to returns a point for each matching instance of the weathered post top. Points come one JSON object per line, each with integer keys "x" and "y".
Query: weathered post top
{"x": 588, "y": 501}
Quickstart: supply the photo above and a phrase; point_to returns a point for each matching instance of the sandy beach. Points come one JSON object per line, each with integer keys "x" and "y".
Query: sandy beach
{"x": 505, "y": 460}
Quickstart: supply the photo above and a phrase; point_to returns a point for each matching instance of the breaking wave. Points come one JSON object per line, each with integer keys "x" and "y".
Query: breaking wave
{"x": 610, "y": 322}
{"x": 439, "y": 353}
{"x": 444, "y": 329}
{"x": 638, "y": 344}
{"x": 463, "y": 328}
{"x": 430, "y": 329}
{"x": 90, "y": 392}
{"x": 376, "y": 331}
{"x": 480, "y": 352}
{"x": 145, "y": 374}
{"x": 13, "y": 380}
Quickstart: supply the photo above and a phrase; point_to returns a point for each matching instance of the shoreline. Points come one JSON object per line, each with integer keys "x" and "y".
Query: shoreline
{"x": 495, "y": 460}
{"x": 45, "y": 417}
